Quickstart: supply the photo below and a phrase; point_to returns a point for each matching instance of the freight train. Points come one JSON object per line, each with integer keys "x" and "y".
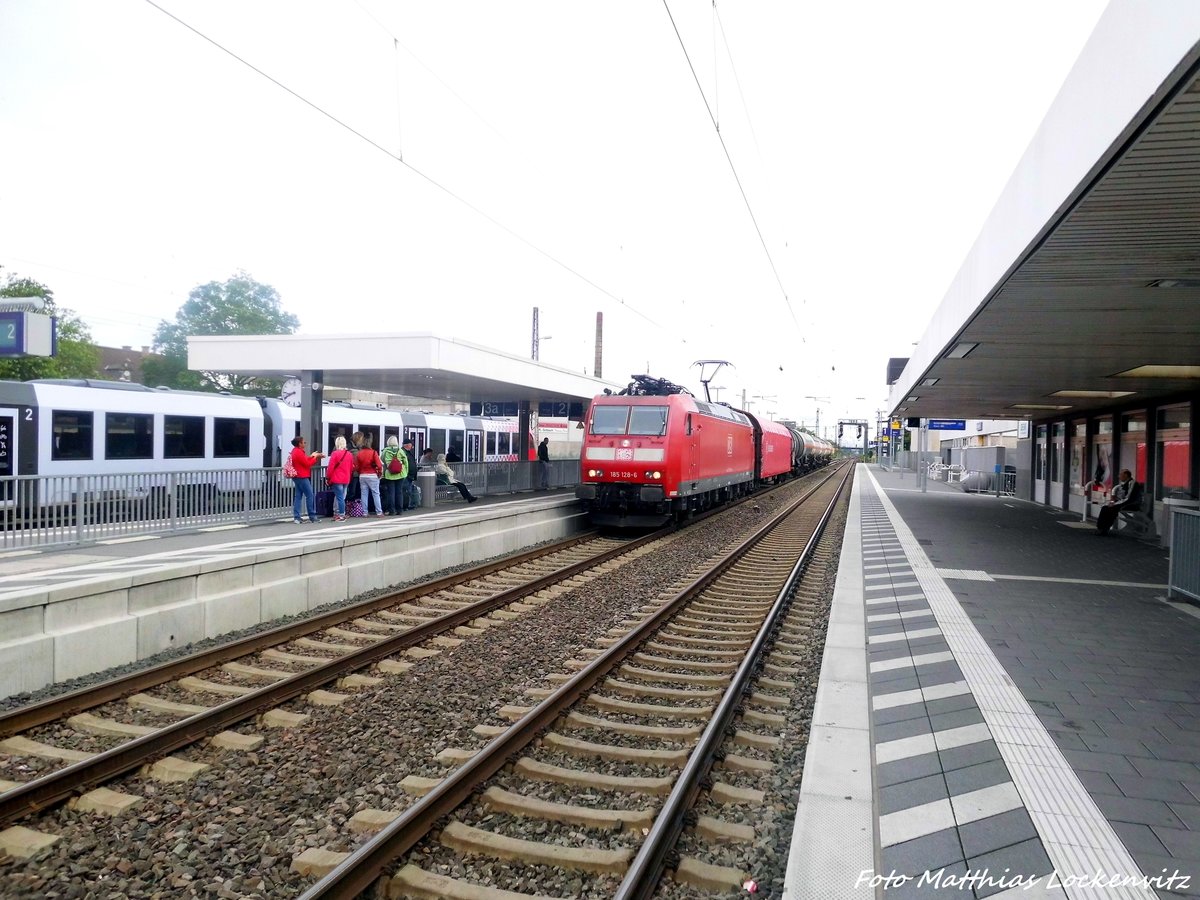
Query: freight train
{"x": 655, "y": 453}
{"x": 77, "y": 427}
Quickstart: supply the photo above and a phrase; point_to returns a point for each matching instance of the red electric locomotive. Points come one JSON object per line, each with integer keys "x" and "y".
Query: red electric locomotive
{"x": 654, "y": 452}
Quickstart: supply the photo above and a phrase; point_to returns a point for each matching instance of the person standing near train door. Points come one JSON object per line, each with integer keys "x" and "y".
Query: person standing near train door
{"x": 395, "y": 475}
{"x": 302, "y": 465}
{"x": 337, "y": 473}
{"x": 544, "y": 465}
{"x": 409, "y": 493}
{"x": 369, "y": 467}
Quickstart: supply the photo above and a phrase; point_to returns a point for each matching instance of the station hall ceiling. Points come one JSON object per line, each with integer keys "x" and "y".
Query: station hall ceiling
{"x": 1111, "y": 285}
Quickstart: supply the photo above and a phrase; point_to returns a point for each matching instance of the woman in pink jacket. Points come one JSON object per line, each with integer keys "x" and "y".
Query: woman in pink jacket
{"x": 337, "y": 473}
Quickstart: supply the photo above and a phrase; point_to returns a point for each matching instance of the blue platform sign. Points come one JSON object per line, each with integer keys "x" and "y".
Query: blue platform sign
{"x": 947, "y": 425}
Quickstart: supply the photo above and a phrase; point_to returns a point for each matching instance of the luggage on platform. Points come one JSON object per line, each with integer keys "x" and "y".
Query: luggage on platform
{"x": 324, "y": 503}
{"x": 354, "y": 509}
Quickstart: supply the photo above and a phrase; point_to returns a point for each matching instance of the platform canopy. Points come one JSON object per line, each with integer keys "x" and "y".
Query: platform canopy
{"x": 1086, "y": 276}
{"x": 414, "y": 365}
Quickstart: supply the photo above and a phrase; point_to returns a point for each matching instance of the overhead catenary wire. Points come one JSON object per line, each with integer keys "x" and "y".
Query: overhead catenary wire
{"x": 728, "y": 158}
{"x": 399, "y": 43}
{"x": 737, "y": 80}
{"x": 430, "y": 180}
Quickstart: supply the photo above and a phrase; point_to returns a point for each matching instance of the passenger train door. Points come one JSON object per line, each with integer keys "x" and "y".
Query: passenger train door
{"x": 8, "y": 455}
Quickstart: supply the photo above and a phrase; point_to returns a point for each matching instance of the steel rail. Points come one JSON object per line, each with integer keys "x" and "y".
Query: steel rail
{"x": 64, "y": 705}
{"x": 642, "y": 877}
{"x": 358, "y": 872}
{"x": 62, "y": 783}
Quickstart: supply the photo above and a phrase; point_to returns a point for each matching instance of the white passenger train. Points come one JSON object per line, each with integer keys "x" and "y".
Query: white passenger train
{"x": 83, "y": 427}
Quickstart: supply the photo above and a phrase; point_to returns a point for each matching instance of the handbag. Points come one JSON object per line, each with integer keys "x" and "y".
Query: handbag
{"x": 354, "y": 509}
{"x": 289, "y": 467}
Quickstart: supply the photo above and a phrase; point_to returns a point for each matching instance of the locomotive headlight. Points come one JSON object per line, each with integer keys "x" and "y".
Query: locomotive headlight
{"x": 655, "y": 475}
{"x": 595, "y": 473}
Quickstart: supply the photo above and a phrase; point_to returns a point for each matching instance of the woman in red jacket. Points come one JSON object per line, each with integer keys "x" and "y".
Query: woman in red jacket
{"x": 303, "y": 464}
{"x": 369, "y": 467}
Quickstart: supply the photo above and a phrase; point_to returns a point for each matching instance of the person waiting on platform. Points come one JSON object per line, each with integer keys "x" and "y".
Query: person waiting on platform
{"x": 1126, "y": 497}
{"x": 445, "y": 475}
{"x": 395, "y": 474}
{"x": 338, "y": 473}
{"x": 302, "y": 465}
{"x": 411, "y": 493}
{"x": 544, "y": 465}
{"x": 369, "y": 467}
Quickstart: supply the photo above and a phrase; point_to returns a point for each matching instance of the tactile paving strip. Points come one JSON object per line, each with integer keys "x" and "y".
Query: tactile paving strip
{"x": 1075, "y": 834}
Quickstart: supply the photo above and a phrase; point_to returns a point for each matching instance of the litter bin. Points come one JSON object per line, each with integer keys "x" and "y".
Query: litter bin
{"x": 426, "y": 481}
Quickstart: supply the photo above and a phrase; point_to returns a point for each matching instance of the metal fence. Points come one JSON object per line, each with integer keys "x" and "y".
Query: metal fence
{"x": 1184, "y": 566}
{"x": 46, "y": 511}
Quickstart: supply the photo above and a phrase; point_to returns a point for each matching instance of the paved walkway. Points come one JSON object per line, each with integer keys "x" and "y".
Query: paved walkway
{"x": 1034, "y": 704}
{"x": 37, "y": 568}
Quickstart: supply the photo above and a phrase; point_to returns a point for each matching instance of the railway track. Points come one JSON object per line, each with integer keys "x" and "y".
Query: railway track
{"x": 410, "y": 628}
{"x": 120, "y": 724}
{"x": 620, "y": 746}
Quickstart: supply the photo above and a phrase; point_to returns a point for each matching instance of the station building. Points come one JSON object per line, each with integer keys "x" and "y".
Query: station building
{"x": 1077, "y": 311}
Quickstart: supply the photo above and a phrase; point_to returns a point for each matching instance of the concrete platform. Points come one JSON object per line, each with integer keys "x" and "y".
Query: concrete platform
{"x": 1028, "y": 700}
{"x": 67, "y": 613}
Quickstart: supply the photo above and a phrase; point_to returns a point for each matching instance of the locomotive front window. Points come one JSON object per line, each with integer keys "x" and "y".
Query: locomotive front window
{"x": 610, "y": 419}
{"x": 72, "y": 435}
{"x": 183, "y": 437}
{"x": 231, "y": 438}
{"x": 128, "y": 436}
{"x": 648, "y": 420}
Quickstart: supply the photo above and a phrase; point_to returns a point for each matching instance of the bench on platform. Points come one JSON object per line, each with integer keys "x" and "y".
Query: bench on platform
{"x": 1136, "y": 524}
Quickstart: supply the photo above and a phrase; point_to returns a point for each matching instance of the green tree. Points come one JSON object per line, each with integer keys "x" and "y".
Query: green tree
{"x": 239, "y": 305}
{"x": 76, "y": 356}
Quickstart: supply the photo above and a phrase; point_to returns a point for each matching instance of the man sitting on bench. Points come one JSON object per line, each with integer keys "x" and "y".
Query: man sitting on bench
{"x": 1126, "y": 497}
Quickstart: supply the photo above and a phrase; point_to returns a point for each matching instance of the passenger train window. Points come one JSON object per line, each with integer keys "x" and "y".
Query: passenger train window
{"x": 72, "y": 435}
{"x": 609, "y": 419}
{"x": 231, "y": 438}
{"x": 648, "y": 420}
{"x": 337, "y": 430}
{"x": 183, "y": 437}
{"x": 373, "y": 431}
{"x": 128, "y": 436}
{"x": 491, "y": 444}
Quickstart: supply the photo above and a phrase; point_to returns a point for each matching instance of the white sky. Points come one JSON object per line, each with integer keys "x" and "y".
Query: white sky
{"x": 140, "y": 160}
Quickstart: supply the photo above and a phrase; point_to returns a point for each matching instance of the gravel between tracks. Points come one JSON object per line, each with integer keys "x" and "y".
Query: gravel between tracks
{"x": 232, "y": 832}
{"x": 765, "y": 860}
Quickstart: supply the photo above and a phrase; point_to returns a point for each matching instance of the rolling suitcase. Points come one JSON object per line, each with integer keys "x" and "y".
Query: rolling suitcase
{"x": 324, "y": 504}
